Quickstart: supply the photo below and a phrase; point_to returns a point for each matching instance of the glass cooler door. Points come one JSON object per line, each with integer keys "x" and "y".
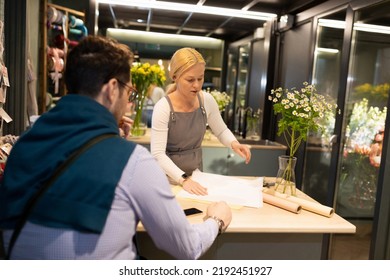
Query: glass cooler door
{"x": 240, "y": 98}
{"x": 345, "y": 174}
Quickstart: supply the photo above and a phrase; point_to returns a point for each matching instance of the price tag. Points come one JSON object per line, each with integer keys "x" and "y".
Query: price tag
{"x": 5, "y": 116}
{"x": 5, "y": 76}
{"x": 3, "y": 91}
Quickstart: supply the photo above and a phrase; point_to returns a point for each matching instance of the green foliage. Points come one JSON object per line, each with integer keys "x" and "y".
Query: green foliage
{"x": 300, "y": 111}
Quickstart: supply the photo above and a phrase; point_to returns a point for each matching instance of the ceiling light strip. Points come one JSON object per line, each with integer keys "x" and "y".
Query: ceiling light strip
{"x": 357, "y": 26}
{"x": 172, "y": 6}
{"x": 339, "y": 24}
{"x": 327, "y": 50}
{"x": 126, "y": 35}
{"x": 371, "y": 28}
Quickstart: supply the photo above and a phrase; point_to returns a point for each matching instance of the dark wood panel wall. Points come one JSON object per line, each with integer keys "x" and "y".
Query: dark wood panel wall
{"x": 15, "y": 59}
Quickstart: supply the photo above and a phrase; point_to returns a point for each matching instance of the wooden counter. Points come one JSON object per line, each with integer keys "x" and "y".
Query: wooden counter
{"x": 264, "y": 233}
{"x": 273, "y": 219}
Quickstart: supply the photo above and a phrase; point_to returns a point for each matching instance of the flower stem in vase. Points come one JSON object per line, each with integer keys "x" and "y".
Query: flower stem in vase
{"x": 285, "y": 179}
{"x": 137, "y": 130}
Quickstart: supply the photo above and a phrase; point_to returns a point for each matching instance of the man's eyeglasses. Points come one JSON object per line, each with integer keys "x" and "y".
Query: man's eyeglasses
{"x": 131, "y": 92}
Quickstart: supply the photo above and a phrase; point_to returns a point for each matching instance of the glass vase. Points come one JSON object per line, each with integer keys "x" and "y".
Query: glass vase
{"x": 285, "y": 179}
{"x": 138, "y": 127}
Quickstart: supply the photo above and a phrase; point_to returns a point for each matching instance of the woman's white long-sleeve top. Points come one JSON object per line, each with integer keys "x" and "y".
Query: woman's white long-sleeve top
{"x": 159, "y": 132}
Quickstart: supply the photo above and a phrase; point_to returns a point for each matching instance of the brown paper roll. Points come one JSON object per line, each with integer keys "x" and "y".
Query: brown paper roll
{"x": 281, "y": 203}
{"x": 311, "y": 206}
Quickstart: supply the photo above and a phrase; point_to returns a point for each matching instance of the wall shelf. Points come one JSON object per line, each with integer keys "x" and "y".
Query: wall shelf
{"x": 58, "y": 35}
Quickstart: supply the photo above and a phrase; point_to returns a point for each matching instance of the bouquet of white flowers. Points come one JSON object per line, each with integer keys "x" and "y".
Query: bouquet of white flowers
{"x": 222, "y": 99}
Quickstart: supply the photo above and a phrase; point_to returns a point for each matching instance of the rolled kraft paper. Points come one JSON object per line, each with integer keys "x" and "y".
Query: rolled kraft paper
{"x": 311, "y": 206}
{"x": 281, "y": 203}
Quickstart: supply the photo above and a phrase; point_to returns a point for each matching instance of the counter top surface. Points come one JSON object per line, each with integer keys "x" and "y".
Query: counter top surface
{"x": 212, "y": 141}
{"x": 271, "y": 219}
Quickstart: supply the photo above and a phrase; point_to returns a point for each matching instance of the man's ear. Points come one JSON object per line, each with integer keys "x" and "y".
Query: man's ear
{"x": 110, "y": 92}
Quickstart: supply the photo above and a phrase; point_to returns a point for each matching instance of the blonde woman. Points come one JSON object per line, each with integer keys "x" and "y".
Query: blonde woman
{"x": 179, "y": 122}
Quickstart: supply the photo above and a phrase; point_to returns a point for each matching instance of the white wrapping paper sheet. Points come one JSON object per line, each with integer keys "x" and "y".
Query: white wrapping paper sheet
{"x": 233, "y": 190}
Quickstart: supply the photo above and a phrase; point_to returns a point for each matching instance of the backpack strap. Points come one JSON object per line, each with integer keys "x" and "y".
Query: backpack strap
{"x": 59, "y": 170}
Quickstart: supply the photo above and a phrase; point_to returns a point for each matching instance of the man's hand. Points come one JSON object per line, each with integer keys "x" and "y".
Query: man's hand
{"x": 221, "y": 211}
{"x": 125, "y": 125}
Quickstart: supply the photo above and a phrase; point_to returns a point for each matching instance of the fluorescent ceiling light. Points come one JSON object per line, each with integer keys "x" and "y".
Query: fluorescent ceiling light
{"x": 191, "y": 8}
{"x": 331, "y": 23}
{"x": 371, "y": 28}
{"x": 327, "y": 50}
{"x": 357, "y": 26}
{"x": 135, "y": 36}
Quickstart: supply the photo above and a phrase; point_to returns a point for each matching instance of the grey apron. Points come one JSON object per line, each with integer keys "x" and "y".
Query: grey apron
{"x": 185, "y": 135}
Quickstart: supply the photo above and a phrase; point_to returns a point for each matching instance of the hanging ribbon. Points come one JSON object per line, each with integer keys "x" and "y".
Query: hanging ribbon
{"x": 77, "y": 26}
{"x": 65, "y": 34}
{"x": 58, "y": 66}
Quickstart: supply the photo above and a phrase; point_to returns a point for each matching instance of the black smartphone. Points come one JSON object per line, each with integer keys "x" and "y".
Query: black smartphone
{"x": 192, "y": 211}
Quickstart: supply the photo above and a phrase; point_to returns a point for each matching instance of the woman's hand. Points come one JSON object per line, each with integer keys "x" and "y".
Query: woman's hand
{"x": 194, "y": 187}
{"x": 242, "y": 150}
{"x": 125, "y": 125}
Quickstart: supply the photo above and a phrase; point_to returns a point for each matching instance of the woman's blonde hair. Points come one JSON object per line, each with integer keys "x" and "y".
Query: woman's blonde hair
{"x": 181, "y": 61}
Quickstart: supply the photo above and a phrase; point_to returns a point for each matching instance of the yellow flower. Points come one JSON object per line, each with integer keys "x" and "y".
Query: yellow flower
{"x": 142, "y": 76}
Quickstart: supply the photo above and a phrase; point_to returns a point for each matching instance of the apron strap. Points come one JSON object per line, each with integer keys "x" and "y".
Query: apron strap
{"x": 201, "y": 106}
{"x": 173, "y": 118}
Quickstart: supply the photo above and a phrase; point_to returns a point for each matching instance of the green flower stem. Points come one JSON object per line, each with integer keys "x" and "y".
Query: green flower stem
{"x": 287, "y": 177}
{"x": 294, "y": 142}
{"x": 286, "y": 180}
{"x": 136, "y": 130}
